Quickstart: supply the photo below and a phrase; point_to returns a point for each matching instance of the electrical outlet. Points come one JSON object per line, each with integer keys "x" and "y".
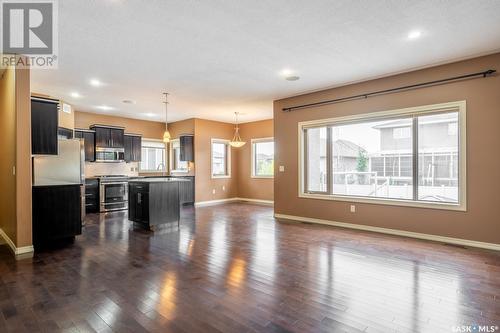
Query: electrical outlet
{"x": 213, "y": 191}
{"x": 224, "y": 188}
{"x": 282, "y": 168}
{"x": 353, "y": 209}
{"x": 14, "y": 170}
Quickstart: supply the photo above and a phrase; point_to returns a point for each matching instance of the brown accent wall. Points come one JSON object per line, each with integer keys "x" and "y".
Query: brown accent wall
{"x": 8, "y": 153}
{"x": 205, "y": 130}
{"x": 148, "y": 129}
{"x": 479, "y": 223}
{"x": 23, "y": 158}
{"x": 248, "y": 187}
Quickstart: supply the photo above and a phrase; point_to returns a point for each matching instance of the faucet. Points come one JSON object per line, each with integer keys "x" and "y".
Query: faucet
{"x": 161, "y": 167}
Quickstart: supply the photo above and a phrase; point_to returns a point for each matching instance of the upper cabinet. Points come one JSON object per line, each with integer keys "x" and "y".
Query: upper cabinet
{"x": 133, "y": 146}
{"x": 108, "y": 137}
{"x": 44, "y": 126}
{"x": 186, "y": 152}
{"x": 88, "y": 137}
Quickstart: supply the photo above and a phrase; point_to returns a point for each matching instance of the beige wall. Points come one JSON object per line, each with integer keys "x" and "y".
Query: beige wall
{"x": 8, "y": 153}
{"x": 148, "y": 129}
{"x": 205, "y": 130}
{"x": 479, "y": 223}
{"x": 15, "y": 135}
{"x": 248, "y": 187}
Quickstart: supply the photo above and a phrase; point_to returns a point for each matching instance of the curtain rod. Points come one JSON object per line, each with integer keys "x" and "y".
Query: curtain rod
{"x": 392, "y": 90}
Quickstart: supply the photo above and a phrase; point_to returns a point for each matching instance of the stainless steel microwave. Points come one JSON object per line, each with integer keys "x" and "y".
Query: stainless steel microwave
{"x": 110, "y": 155}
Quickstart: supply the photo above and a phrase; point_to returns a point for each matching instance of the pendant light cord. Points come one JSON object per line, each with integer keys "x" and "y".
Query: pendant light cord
{"x": 166, "y": 111}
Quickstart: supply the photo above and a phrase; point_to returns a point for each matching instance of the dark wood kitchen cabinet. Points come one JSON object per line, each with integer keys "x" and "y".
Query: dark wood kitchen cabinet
{"x": 91, "y": 195}
{"x": 88, "y": 137}
{"x": 56, "y": 213}
{"x": 108, "y": 137}
{"x": 186, "y": 190}
{"x": 133, "y": 147}
{"x": 186, "y": 152}
{"x": 44, "y": 126}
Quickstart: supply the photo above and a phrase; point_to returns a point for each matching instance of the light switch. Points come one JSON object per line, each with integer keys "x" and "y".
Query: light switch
{"x": 282, "y": 168}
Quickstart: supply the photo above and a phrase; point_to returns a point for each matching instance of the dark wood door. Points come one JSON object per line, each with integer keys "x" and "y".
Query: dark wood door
{"x": 44, "y": 127}
{"x": 127, "y": 143}
{"x": 56, "y": 213}
{"x": 116, "y": 138}
{"x": 186, "y": 152}
{"x": 136, "y": 148}
{"x": 102, "y": 137}
{"x": 89, "y": 141}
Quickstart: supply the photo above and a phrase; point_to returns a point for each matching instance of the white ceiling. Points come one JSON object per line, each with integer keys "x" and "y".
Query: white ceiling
{"x": 217, "y": 57}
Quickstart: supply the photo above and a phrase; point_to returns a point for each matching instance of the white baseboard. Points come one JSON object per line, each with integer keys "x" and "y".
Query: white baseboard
{"x": 259, "y": 201}
{"x": 441, "y": 239}
{"x": 221, "y": 201}
{"x": 24, "y": 250}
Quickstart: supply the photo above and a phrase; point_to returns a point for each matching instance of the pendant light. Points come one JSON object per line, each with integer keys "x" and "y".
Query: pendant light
{"x": 236, "y": 142}
{"x": 166, "y": 135}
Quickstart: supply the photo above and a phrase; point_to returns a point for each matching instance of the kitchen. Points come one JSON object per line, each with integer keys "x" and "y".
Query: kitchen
{"x": 96, "y": 169}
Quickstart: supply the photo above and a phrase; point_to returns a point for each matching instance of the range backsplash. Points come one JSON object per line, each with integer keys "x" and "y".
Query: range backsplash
{"x": 93, "y": 169}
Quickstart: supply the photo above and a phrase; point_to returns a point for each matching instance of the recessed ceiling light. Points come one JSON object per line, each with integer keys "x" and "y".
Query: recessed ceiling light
{"x": 95, "y": 83}
{"x": 105, "y": 107}
{"x": 75, "y": 94}
{"x": 150, "y": 114}
{"x": 129, "y": 101}
{"x": 292, "y": 78}
{"x": 286, "y": 72}
{"x": 414, "y": 34}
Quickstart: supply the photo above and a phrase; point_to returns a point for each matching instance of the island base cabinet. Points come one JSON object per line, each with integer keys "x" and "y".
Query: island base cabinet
{"x": 56, "y": 214}
{"x": 152, "y": 204}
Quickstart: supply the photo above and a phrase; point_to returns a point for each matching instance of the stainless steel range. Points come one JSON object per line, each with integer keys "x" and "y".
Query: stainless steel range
{"x": 113, "y": 193}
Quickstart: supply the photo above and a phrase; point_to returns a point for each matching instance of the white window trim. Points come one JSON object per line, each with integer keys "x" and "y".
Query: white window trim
{"x": 257, "y": 140}
{"x": 164, "y": 154}
{"x": 228, "y": 158}
{"x": 459, "y": 106}
{"x": 171, "y": 158}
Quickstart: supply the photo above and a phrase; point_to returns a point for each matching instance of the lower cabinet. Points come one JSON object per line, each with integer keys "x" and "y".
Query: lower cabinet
{"x": 153, "y": 203}
{"x": 91, "y": 195}
{"x": 186, "y": 190}
{"x": 56, "y": 213}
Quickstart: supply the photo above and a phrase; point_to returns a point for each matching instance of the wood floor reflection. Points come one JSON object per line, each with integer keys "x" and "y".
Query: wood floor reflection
{"x": 233, "y": 268}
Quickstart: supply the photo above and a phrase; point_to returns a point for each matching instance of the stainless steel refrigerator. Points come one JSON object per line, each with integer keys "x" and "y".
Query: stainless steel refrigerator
{"x": 65, "y": 168}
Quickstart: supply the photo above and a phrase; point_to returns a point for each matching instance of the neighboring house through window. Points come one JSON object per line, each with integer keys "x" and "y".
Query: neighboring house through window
{"x": 221, "y": 158}
{"x": 263, "y": 158}
{"x": 153, "y": 156}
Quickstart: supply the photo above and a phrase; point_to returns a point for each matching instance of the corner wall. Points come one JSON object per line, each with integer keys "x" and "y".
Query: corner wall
{"x": 481, "y": 220}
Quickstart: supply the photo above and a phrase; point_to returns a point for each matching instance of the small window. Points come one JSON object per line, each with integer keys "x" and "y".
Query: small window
{"x": 153, "y": 156}
{"x": 263, "y": 158}
{"x": 401, "y": 133}
{"x": 176, "y": 165}
{"x": 221, "y": 159}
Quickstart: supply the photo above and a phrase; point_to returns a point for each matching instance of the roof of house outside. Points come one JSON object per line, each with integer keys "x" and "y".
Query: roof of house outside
{"x": 346, "y": 148}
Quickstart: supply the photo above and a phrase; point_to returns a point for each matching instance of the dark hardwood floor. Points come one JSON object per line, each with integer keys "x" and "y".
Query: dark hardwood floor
{"x": 233, "y": 268}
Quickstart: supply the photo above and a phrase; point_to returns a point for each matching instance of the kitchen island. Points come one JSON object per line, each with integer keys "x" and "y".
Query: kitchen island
{"x": 154, "y": 201}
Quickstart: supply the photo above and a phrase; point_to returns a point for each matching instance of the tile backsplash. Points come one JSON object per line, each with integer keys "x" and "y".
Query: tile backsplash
{"x": 93, "y": 169}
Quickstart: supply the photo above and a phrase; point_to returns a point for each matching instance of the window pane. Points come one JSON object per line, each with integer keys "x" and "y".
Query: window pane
{"x": 177, "y": 164}
{"x": 316, "y": 159}
{"x": 438, "y": 157}
{"x": 264, "y": 158}
{"x": 373, "y": 159}
{"x": 219, "y": 152}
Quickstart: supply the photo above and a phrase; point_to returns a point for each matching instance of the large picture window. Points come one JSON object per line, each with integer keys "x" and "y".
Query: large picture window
{"x": 152, "y": 156}
{"x": 412, "y": 157}
{"x": 221, "y": 158}
{"x": 263, "y": 158}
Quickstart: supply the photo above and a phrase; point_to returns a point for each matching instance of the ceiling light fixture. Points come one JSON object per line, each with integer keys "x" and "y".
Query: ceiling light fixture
{"x": 149, "y": 114}
{"x": 286, "y": 72}
{"x": 105, "y": 107}
{"x": 166, "y": 135}
{"x": 292, "y": 78}
{"x": 95, "y": 83}
{"x": 129, "y": 101}
{"x": 414, "y": 34}
{"x": 236, "y": 142}
{"x": 74, "y": 94}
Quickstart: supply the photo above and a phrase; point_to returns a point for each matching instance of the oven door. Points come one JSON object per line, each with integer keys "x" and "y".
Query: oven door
{"x": 114, "y": 196}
